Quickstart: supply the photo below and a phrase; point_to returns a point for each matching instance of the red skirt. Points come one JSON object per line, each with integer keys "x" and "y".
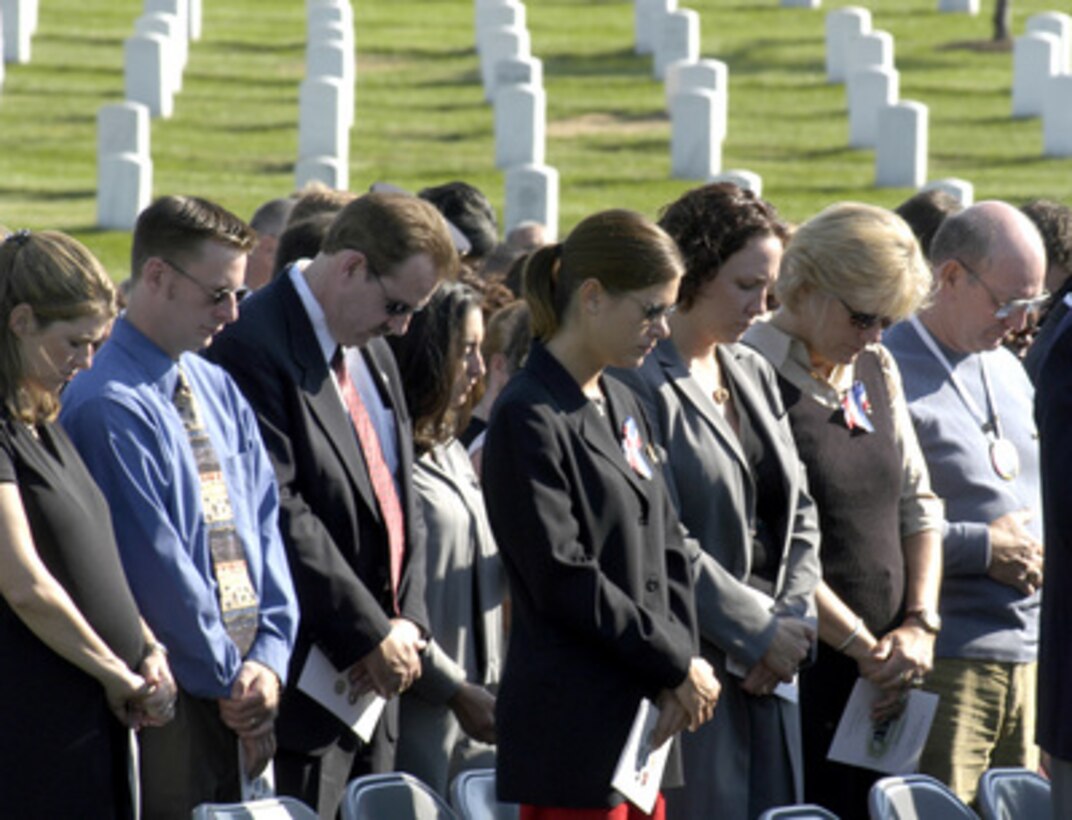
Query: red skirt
{"x": 624, "y": 811}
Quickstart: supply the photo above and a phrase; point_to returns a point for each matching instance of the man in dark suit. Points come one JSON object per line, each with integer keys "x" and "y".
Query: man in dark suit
{"x": 329, "y": 401}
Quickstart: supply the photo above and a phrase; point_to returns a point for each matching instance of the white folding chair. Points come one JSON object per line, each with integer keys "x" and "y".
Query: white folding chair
{"x": 915, "y": 797}
{"x": 395, "y": 795}
{"x": 272, "y": 808}
{"x": 1011, "y": 794}
{"x": 801, "y": 811}
{"x": 472, "y": 796}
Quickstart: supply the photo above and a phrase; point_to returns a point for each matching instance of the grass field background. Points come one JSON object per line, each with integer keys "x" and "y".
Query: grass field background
{"x": 421, "y": 118}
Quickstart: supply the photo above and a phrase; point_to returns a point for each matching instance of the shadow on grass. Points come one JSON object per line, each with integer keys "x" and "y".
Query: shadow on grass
{"x": 35, "y": 195}
{"x": 621, "y": 61}
{"x": 78, "y": 39}
{"x": 259, "y": 47}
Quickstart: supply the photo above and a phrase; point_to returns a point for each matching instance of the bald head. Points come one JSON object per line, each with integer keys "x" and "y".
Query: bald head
{"x": 989, "y": 261}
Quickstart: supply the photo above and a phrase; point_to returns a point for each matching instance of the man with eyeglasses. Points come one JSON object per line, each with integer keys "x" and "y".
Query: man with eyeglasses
{"x": 327, "y": 392}
{"x": 178, "y": 454}
{"x": 971, "y": 403}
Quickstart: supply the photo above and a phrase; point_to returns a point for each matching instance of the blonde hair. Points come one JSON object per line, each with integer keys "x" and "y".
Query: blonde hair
{"x": 60, "y": 280}
{"x": 620, "y": 249}
{"x": 862, "y": 254}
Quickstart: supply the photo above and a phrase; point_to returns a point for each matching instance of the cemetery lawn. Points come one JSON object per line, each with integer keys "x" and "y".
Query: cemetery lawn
{"x": 421, "y": 118}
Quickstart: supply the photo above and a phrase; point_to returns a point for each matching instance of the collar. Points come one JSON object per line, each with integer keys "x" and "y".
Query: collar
{"x": 313, "y": 309}
{"x": 157, "y": 365}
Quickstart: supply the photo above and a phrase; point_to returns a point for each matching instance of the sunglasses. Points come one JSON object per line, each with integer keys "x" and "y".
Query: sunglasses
{"x": 216, "y": 296}
{"x": 652, "y": 313}
{"x": 1005, "y": 310}
{"x": 391, "y": 306}
{"x": 864, "y": 321}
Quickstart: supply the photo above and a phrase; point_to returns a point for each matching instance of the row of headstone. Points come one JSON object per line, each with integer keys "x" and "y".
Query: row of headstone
{"x": 18, "y": 22}
{"x": 1039, "y": 55}
{"x": 862, "y": 59}
{"x": 154, "y": 57}
{"x": 512, "y": 81}
{"x": 326, "y": 96}
{"x": 124, "y": 164}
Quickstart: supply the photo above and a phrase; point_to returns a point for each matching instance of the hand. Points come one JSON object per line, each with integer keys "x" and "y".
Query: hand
{"x": 793, "y": 639}
{"x": 698, "y": 693}
{"x": 1015, "y": 555}
{"x": 258, "y": 751}
{"x": 157, "y": 706}
{"x": 474, "y": 707}
{"x": 760, "y": 681}
{"x": 673, "y": 718}
{"x": 120, "y": 691}
{"x": 393, "y": 666}
{"x": 900, "y": 659}
{"x": 254, "y": 701}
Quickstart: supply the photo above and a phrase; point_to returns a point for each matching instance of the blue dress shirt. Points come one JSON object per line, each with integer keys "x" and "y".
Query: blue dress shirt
{"x": 121, "y": 418}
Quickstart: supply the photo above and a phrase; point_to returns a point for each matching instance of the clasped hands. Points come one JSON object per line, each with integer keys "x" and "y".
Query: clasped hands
{"x": 393, "y": 666}
{"x": 250, "y": 713}
{"x": 1015, "y": 555}
{"x": 689, "y": 705}
{"x": 790, "y": 646}
{"x": 898, "y": 661}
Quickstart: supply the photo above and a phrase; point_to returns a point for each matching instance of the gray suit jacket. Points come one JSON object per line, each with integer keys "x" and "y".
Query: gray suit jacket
{"x": 711, "y": 482}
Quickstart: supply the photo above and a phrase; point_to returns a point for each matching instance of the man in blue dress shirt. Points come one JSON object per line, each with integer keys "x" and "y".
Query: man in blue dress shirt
{"x": 177, "y": 452}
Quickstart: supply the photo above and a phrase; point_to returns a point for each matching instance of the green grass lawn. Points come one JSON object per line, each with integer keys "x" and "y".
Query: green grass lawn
{"x": 421, "y": 118}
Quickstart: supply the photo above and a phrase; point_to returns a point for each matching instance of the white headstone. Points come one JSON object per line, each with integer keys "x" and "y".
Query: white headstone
{"x": 1054, "y": 22}
{"x": 801, "y": 4}
{"x": 960, "y": 189}
{"x": 678, "y": 39}
{"x": 747, "y": 180}
{"x": 328, "y": 32}
{"x": 712, "y": 75}
{"x": 179, "y": 8}
{"x": 17, "y": 30}
{"x": 695, "y": 135}
{"x": 124, "y": 190}
{"x": 1035, "y": 60}
{"x": 503, "y": 43}
{"x": 327, "y": 11}
{"x": 870, "y": 90}
{"x": 504, "y": 14}
{"x": 518, "y": 71}
{"x": 1057, "y": 117}
{"x": 647, "y": 17}
{"x": 175, "y": 56}
{"x": 531, "y": 194}
{"x": 32, "y": 9}
{"x": 1, "y": 48}
{"x": 874, "y": 49}
{"x": 147, "y": 76}
{"x": 195, "y": 19}
{"x": 520, "y": 126}
{"x": 123, "y": 128}
{"x": 331, "y": 58}
{"x": 843, "y": 25}
{"x": 901, "y": 150}
{"x": 322, "y": 129}
{"x": 958, "y": 6}
{"x": 332, "y": 171}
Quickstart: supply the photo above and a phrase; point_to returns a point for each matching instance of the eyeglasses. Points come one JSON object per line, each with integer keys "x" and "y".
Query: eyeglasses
{"x": 1005, "y": 310}
{"x": 218, "y": 295}
{"x": 393, "y": 307}
{"x": 652, "y": 313}
{"x": 864, "y": 321}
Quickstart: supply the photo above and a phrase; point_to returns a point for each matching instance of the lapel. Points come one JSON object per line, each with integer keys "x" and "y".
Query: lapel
{"x": 319, "y": 393}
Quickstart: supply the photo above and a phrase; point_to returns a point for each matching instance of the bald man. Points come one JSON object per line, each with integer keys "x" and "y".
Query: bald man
{"x": 971, "y": 403}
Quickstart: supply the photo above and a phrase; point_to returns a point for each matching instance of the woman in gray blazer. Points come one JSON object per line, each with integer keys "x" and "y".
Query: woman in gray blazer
{"x": 447, "y": 718}
{"x": 741, "y": 491}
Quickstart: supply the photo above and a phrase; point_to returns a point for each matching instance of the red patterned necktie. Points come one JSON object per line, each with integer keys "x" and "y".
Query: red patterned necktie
{"x": 238, "y": 599}
{"x": 383, "y": 485}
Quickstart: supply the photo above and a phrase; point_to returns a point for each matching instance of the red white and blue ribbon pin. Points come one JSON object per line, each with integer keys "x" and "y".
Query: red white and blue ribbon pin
{"x": 857, "y": 408}
{"x": 633, "y": 448}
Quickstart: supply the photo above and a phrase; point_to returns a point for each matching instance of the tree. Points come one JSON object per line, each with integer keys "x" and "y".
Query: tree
{"x": 1001, "y": 20}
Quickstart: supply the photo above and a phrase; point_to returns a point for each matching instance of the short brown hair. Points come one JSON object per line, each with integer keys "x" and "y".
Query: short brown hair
{"x": 389, "y": 228}
{"x": 61, "y": 281}
{"x": 174, "y": 226}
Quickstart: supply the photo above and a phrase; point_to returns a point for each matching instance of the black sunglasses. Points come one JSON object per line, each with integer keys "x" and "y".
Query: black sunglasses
{"x": 865, "y": 321}
{"x": 217, "y": 296}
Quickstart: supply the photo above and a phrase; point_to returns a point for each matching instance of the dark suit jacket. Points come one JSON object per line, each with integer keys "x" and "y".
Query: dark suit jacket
{"x": 1053, "y": 414}
{"x": 601, "y": 594}
{"x": 332, "y": 529}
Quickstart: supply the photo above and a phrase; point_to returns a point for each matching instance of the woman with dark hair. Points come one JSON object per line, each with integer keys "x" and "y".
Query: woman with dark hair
{"x": 440, "y": 364}
{"x": 80, "y": 665}
{"x": 741, "y": 491}
{"x": 602, "y": 612}
{"x": 846, "y": 274}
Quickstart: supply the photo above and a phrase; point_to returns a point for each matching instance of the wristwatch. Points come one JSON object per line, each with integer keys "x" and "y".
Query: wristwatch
{"x": 927, "y": 618}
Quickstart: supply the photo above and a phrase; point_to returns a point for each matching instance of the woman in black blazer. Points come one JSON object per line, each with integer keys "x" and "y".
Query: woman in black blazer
{"x": 603, "y": 612}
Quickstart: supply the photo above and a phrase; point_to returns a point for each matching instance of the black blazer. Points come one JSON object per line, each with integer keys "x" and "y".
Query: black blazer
{"x": 331, "y": 525}
{"x": 602, "y": 601}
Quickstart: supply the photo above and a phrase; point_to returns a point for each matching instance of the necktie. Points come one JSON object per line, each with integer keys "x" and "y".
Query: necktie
{"x": 383, "y": 485}
{"x": 238, "y": 599}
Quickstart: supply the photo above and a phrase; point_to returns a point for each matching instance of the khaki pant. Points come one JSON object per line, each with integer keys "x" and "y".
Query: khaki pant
{"x": 985, "y": 718}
